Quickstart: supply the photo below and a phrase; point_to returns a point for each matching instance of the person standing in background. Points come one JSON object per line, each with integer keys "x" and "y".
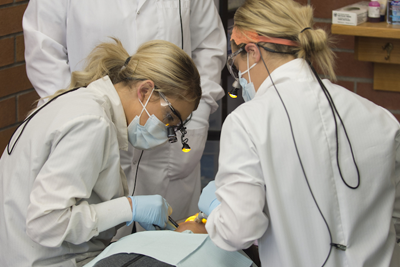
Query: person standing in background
{"x": 60, "y": 34}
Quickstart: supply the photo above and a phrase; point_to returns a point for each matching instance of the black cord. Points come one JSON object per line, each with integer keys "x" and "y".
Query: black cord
{"x": 180, "y": 18}
{"x": 134, "y": 187}
{"x": 28, "y": 119}
{"x": 334, "y": 113}
{"x": 137, "y": 169}
{"x": 334, "y": 110}
{"x": 301, "y": 163}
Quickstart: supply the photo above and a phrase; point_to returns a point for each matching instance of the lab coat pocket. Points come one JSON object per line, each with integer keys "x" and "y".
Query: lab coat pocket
{"x": 173, "y": 21}
{"x": 183, "y": 164}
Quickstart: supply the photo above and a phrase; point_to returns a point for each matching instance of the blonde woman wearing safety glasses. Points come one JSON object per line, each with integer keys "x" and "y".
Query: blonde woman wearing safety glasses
{"x": 308, "y": 168}
{"x": 60, "y": 34}
{"x": 63, "y": 192}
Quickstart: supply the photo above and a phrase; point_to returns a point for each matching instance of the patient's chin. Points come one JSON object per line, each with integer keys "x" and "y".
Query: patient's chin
{"x": 197, "y": 228}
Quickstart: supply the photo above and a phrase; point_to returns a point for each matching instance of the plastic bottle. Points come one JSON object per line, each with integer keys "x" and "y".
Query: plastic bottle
{"x": 383, "y": 8}
{"x": 374, "y": 11}
{"x": 393, "y": 12}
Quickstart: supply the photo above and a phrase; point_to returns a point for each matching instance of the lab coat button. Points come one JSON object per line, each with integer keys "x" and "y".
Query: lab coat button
{"x": 138, "y": 12}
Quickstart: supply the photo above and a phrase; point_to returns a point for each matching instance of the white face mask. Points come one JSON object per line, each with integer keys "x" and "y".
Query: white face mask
{"x": 152, "y": 134}
{"x": 248, "y": 90}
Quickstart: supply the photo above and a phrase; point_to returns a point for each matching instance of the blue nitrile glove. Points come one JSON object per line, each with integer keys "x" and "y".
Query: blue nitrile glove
{"x": 208, "y": 200}
{"x": 149, "y": 211}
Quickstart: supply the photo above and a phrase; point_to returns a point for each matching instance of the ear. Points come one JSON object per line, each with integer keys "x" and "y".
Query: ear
{"x": 144, "y": 89}
{"x": 253, "y": 51}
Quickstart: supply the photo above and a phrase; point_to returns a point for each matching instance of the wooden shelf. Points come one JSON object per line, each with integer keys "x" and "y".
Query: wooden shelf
{"x": 369, "y": 29}
{"x": 371, "y": 41}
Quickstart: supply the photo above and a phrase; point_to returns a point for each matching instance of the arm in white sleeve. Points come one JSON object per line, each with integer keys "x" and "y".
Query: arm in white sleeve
{"x": 209, "y": 49}
{"x": 46, "y": 55}
{"x": 59, "y": 207}
{"x": 239, "y": 219}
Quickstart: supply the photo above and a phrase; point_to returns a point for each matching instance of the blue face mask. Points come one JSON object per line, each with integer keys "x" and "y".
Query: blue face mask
{"x": 248, "y": 90}
{"x": 152, "y": 134}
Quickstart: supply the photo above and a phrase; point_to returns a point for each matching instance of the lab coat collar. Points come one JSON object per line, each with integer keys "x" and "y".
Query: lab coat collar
{"x": 107, "y": 89}
{"x": 297, "y": 69}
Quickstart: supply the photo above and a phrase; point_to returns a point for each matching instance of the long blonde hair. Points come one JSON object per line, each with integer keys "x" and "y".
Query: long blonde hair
{"x": 169, "y": 67}
{"x": 287, "y": 19}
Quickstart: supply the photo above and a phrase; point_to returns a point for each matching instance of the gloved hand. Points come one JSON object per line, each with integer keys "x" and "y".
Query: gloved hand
{"x": 208, "y": 200}
{"x": 149, "y": 211}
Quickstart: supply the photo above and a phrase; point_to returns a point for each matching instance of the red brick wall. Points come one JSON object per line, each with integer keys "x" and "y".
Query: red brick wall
{"x": 17, "y": 95}
{"x": 16, "y": 92}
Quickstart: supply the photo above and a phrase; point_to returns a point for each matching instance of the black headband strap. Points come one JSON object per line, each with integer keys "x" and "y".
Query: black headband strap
{"x": 127, "y": 61}
{"x": 308, "y": 28}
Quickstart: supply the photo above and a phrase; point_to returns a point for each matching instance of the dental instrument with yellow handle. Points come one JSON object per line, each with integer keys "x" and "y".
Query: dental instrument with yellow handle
{"x": 200, "y": 217}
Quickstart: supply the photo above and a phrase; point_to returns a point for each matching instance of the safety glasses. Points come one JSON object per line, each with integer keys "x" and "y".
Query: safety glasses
{"x": 230, "y": 66}
{"x": 171, "y": 130}
{"x": 234, "y": 72}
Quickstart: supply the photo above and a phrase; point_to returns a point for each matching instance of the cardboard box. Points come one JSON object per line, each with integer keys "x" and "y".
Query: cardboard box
{"x": 352, "y": 14}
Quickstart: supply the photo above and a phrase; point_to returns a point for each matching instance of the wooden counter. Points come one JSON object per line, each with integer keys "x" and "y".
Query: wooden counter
{"x": 378, "y": 43}
{"x": 369, "y": 29}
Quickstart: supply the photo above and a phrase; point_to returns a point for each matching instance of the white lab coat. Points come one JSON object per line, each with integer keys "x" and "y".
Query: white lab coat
{"x": 60, "y": 34}
{"x": 264, "y": 194}
{"x": 62, "y": 187}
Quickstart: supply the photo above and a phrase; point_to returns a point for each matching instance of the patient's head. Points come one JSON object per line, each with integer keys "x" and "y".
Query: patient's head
{"x": 197, "y": 228}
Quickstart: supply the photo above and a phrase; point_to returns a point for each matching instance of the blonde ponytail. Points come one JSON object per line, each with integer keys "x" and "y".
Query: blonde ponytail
{"x": 105, "y": 59}
{"x": 288, "y": 19}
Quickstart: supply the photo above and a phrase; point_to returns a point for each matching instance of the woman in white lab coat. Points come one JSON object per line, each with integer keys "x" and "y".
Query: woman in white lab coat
{"x": 60, "y": 34}
{"x": 306, "y": 167}
{"x": 63, "y": 192}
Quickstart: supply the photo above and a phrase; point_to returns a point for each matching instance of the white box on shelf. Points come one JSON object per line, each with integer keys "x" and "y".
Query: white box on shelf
{"x": 353, "y": 14}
